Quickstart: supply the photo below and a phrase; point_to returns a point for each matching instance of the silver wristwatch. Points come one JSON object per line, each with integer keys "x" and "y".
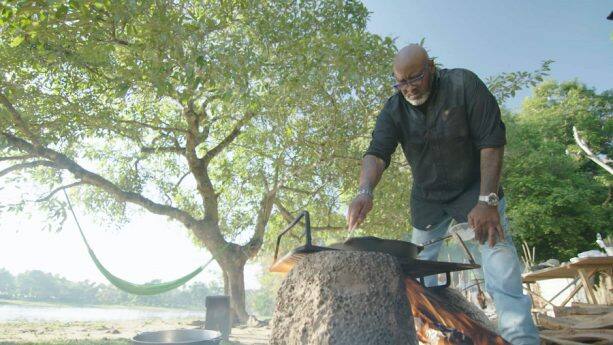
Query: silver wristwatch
{"x": 490, "y": 200}
{"x": 366, "y": 191}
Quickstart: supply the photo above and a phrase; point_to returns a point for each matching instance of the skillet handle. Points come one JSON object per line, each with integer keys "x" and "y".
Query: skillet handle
{"x": 307, "y": 231}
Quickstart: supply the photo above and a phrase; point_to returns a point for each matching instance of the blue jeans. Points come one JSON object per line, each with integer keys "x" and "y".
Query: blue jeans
{"x": 502, "y": 273}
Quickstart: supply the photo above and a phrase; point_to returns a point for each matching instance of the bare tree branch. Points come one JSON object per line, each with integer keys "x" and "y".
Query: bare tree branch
{"x": 158, "y": 128}
{"x": 27, "y": 165}
{"x": 61, "y": 161}
{"x": 169, "y": 149}
{"x": 48, "y": 196}
{"x": 228, "y": 139}
{"x": 14, "y": 158}
{"x": 181, "y": 180}
{"x": 583, "y": 145}
{"x": 287, "y": 215}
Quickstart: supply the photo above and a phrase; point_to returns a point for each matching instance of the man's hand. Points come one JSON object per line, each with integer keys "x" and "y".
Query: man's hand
{"x": 358, "y": 209}
{"x": 485, "y": 220}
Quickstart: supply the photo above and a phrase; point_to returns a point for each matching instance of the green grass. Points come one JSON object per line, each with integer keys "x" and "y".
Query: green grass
{"x": 84, "y": 305}
{"x": 87, "y": 342}
{"x": 71, "y": 342}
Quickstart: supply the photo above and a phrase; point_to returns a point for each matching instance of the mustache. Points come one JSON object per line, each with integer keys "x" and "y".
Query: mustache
{"x": 419, "y": 101}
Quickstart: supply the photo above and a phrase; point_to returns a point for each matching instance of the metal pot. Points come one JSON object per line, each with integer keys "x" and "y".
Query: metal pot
{"x": 179, "y": 336}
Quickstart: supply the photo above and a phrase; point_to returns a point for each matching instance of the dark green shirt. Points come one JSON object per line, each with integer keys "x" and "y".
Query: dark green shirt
{"x": 442, "y": 145}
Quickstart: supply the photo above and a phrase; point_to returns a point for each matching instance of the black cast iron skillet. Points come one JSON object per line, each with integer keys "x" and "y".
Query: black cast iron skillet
{"x": 399, "y": 249}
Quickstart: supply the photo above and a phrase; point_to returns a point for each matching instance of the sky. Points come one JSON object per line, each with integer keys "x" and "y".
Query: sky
{"x": 491, "y": 37}
{"x": 487, "y": 37}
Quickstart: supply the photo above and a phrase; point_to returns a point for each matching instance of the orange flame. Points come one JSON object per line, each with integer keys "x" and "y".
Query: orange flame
{"x": 428, "y": 309}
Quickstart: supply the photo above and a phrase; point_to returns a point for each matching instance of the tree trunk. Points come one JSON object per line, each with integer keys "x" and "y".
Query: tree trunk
{"x": 232, "y": 259}
{"x": 226, "y": 284}
{"x": 235, "y": 285}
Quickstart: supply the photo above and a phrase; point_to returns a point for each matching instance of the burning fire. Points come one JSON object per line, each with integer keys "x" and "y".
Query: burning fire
{"x": 436, "y": 325}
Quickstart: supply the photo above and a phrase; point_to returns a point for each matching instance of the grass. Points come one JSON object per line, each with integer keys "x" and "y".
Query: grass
{"x": 70, "y": 342}
{"x": 84, "y": 305}
{"x": 89, "y": 342}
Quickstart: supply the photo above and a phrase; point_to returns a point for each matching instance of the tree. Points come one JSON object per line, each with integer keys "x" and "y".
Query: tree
{"x": 560, "y": 198}
{"x": 7, "y": 283}
{"x": 38, "y": 285}
{"x": 208, "y": 113}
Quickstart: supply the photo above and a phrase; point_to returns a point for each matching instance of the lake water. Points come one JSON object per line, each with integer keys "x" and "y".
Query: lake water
{"x": 15, "y": 312}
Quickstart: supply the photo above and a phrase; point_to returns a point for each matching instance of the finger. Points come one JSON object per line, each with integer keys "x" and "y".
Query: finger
{"x": 351, "y": 218}
{"x": 482, "y": 235}
{"x": 479, "y": 236}
{"x": 500, "y": 232}
{"x": 472, "y": 224}
{"x": 357, "y": 216}
{"x": 363, "y": 212}
{"x": 492, "y": 236}
{"x": 353, "y": 223}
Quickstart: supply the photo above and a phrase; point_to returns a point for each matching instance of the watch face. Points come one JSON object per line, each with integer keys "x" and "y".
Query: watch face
{"x": 492, "y": 199}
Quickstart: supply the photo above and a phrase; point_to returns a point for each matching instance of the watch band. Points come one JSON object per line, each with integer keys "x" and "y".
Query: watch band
{"x": 366, "y": 191}
{"x": 490, "y": 199}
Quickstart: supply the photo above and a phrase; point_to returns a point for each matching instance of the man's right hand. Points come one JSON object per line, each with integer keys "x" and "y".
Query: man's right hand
{"x": 358, "y": 209}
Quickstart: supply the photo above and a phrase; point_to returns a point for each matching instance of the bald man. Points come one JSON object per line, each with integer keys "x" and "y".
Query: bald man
{"x": 449, "y": 127}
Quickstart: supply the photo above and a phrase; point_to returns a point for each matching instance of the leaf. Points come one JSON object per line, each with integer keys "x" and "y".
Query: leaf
{"x": 61, "y": 12}
{"x": 16, "y": 41}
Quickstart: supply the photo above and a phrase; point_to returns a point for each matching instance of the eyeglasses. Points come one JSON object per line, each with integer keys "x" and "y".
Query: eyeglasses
{"x": 412, "y": 81}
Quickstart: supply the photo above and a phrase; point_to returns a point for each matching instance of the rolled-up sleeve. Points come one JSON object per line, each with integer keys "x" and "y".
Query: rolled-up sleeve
{"x": 384, "y": 138}
{"x": 486, "y": 126}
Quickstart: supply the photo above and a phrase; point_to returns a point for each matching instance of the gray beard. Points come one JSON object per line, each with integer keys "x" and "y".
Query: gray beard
{"x": 419, "y": 101}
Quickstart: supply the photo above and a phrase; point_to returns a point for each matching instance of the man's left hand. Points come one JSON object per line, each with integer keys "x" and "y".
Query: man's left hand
{"x": 485, "y": 220}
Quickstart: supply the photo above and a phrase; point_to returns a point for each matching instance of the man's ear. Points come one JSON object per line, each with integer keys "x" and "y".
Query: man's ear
{"x": 431, "y": 64}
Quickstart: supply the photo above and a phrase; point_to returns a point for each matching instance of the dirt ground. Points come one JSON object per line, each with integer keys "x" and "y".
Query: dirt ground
{"x": 111, "y": 332}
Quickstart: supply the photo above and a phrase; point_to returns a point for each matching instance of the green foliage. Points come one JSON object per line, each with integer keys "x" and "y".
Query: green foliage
{"x": 7, "y": 283}
{"x": 106, "y": 82}
{"x": 279, "y": 95}
{"x": 41, "y": 286}
{"x": 261, "y": 302}
{"x": 505, "y": 85}
{"x": 559, "y": 199}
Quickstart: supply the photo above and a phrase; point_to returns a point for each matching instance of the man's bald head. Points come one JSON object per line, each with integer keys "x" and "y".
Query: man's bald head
{"x": 413, "y": 71}
{"x": 410, "y": 59}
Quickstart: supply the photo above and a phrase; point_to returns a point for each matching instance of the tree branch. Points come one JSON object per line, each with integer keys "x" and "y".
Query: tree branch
{"x": 287, "y": 215}
{"x": 255, "y": 243}
{"x": 27, "y": 165}
{"x": 583, "y": 145}
{"x": 181, "y": 180}
{"x": 19, "y": 122}
{"x": 48, "y": 196}
{"x": 198, "y": 167}
{"x": 228, "y": 139}
{"x": 157, "y": 128}
{"x": 61, "y": 161}
{"x": 169, "y": 149}
{"x": 14, "y": 158}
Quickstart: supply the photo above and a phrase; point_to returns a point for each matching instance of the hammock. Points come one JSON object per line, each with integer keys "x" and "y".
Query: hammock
{"x": 135, "y": 289}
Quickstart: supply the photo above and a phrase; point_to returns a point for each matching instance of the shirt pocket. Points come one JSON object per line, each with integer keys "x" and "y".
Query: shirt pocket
{"x": 454, "y": 122}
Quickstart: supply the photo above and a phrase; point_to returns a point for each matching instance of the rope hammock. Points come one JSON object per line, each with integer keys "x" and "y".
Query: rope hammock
{"x": 123, "y": 285}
